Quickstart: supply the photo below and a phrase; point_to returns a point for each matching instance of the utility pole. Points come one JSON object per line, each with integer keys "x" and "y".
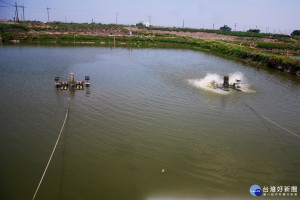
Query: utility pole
{"x": 149, "y": 19}
{"x": 48, "y": 14}
{"x": 183, "y": 23}
{"x": 23, "y": 14}
{"x": 234, "y": 26}
{"x": 117, "y": 19}
{"x": 213, "y": 26}
{"x": 16, "y": 12}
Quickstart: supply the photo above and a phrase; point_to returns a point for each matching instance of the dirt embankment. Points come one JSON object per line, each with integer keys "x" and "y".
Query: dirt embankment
{"x": 202, "y": 35}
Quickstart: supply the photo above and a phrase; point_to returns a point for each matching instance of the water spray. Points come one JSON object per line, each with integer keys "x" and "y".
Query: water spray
{"x": 222, "y": 85}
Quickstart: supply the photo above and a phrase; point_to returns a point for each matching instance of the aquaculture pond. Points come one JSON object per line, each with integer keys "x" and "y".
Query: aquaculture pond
{"x": 149, "y": 127}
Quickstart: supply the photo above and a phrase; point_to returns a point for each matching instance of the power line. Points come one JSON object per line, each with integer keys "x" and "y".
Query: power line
{"x": 6, "y": 3}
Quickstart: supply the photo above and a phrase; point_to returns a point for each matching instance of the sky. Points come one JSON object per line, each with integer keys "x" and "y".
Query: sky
{"x": 279, "y": 16}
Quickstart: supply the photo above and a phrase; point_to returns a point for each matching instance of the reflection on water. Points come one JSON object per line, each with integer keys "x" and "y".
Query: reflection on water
{"x": 142, "y": 116}
{"x": 87, "y": 92}
{"x": 72, "y": 91}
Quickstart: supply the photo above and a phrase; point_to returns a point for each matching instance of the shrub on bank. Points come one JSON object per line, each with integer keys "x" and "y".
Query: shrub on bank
{"x": 296, "y": 32}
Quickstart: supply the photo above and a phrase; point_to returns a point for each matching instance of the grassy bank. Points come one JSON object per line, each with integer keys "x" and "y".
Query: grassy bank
{"x": 226, "y": 49}
{"x": 250, "y": 55}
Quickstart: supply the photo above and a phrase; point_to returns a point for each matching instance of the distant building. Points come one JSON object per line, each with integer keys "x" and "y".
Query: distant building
{"x": 147, "y": 24}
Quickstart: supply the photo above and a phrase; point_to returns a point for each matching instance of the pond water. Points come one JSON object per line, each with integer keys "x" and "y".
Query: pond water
{"x": 147, "y": 128}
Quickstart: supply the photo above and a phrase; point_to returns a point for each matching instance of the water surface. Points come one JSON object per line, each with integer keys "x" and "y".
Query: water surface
{"x": 142, "y": 115}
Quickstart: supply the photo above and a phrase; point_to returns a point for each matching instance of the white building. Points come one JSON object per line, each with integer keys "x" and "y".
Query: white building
{"x": 147, "y": 24}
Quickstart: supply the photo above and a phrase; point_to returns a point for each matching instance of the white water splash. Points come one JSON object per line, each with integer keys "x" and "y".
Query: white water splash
{"x": 206, "y": 83}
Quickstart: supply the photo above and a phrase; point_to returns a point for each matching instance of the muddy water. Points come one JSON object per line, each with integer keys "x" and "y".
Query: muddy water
{"x": 145, "y": 112}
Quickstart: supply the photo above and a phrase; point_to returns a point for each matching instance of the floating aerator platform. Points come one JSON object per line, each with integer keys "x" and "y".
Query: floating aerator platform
{"x": 226, "y": 86}
{"x": 78, "y": 85}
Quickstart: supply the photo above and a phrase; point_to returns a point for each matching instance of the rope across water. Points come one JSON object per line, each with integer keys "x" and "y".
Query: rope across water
{"x": 61, "y": 130}
{"x": 280, "y": 126}
{"x": 266, "y": 118}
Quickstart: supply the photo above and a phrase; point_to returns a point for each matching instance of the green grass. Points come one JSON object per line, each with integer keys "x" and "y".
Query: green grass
{"x": 58, "y": 26}
{"x": 78, "y": 27}
{"x": 282, "y": 46}
{"x": 251, "y": 55}
{"x": 13, "y": 27}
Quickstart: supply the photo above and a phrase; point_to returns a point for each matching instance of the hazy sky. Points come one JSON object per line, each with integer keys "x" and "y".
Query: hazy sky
{"x": 278, "y": 15}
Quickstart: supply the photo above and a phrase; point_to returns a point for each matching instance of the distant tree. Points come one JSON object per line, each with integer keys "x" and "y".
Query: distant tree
{"x": 56, "y": 22}
{"x": 296, "y": 32}
{"x": 254, "y": 30}
{"x": 140, "y": 24}
{"x": 225, "y": 28}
